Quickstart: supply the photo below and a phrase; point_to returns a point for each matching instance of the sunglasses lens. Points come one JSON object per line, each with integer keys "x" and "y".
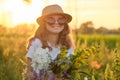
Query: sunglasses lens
{"x": 62, "y": 21}
{"x": 50, "y": 20}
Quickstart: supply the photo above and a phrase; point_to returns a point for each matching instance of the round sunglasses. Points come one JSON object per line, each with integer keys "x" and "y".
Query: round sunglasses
{"x": 51, "y": 20}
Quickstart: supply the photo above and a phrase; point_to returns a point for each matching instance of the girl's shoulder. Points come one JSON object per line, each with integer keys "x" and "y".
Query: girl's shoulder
{"x": 37, "y": 42}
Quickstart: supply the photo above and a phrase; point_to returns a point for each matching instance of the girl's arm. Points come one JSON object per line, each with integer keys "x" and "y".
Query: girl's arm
{"x": 29, "y": 64}
{"x": 30, "y": 71}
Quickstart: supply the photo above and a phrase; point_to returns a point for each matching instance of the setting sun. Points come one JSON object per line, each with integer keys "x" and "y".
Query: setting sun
{"x": 21, "y": 12}
{"x": 102, "y": 13}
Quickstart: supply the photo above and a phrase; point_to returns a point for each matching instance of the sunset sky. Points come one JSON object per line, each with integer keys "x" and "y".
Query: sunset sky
{"x": 101, "y": 12}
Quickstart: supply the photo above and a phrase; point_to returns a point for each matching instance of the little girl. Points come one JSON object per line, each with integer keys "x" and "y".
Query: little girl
{"x": 52, "y": 33}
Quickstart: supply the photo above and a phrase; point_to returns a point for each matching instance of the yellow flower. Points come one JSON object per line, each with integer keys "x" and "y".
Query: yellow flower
{"x": 65, "y": 67}
{"x": 77, "y": 65}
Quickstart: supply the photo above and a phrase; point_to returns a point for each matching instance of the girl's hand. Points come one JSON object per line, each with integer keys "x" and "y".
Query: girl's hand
{"x": 30, "y": 75}
{"x": 29, "y": 70}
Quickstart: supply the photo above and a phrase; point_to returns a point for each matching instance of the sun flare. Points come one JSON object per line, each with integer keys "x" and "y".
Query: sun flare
{"x": 20, "y": 12}
{"x": 102, "y": 13}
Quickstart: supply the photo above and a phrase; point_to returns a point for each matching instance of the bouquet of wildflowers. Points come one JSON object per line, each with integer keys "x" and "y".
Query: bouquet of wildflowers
{"x": 41, "y": 59}
{"x": 61, "y": 64}
{"x": 70, "y": 67}
{"x": 40, "y": 63}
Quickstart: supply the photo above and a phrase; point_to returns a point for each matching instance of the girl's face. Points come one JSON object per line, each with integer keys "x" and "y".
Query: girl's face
{"x": 55, "y": 23}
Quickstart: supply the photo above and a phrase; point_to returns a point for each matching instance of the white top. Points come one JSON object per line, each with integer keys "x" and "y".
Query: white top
{"x": 53, "y": 53}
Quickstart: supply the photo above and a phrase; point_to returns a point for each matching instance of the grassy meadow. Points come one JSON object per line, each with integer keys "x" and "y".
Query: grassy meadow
{"x": 102, "y": 65}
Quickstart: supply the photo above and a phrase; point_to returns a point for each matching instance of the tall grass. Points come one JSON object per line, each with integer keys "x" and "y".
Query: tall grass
{"x": 13, "y": 51}
{"x": 109, "y": 41}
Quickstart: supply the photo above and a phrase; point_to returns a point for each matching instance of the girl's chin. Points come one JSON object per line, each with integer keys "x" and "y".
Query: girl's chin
{"x": 56, "y": 31}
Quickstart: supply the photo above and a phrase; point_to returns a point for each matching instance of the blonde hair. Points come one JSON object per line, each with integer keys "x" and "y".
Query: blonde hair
{"x": 41, "y": 33}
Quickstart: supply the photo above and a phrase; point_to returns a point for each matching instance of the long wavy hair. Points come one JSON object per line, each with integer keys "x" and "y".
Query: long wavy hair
{"x": 41, "y": 33}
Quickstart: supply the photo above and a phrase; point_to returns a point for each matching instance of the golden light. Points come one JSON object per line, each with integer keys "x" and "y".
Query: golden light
{"x": 102, "y": 13}
{"x": 19, "y": 12}
{"x": 16, "y": 11}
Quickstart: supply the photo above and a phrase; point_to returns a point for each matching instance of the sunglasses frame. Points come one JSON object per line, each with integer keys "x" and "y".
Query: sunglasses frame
{"x": 51, "y": 20}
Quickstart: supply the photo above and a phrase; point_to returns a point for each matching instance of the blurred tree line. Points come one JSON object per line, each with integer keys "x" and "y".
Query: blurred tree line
{"x": 85, "y": 28}
{"x": 88, "y": 28}
{"x": 20, "y": 29}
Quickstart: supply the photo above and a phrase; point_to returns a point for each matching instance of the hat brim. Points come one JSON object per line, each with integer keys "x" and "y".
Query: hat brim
{"x": 67, "y": 16}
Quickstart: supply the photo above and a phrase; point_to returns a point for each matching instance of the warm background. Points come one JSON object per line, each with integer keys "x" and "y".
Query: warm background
{"x": 95, "y": 26}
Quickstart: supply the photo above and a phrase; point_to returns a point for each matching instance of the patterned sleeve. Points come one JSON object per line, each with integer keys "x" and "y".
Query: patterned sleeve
{"x": 35, "y": 43}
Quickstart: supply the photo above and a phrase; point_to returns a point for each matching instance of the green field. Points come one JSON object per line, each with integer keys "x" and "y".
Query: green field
{"x": 103, "y": 65}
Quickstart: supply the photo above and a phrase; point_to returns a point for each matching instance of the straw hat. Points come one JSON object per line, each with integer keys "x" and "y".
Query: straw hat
{"x": 53, "y": 10}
